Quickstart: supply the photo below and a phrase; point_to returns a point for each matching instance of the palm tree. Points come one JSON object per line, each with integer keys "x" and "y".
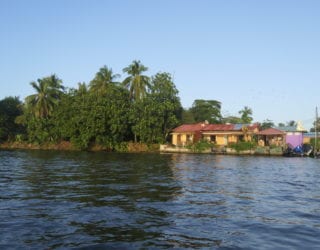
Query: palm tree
{"x": 103, "y": 79}
{"x": 246, "y": 114}
{"x": 136, "y": 82}
{"x": 49, "y": 91}
{"x": 82, "y": 88}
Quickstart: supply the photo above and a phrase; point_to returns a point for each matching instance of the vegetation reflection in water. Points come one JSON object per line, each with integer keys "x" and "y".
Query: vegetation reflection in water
{"x": 86, "y": 200}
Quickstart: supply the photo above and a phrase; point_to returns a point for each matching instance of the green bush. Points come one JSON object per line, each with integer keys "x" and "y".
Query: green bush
{"x": 200, "y": 146}
{"x": 312, "y": 141}
{"x": 242, "y": 146}
{"x": 121, "y": 147}
{"x": 20, "y": 138}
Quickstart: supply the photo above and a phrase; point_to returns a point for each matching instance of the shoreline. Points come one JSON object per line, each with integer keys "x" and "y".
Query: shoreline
{"x": 131, "y": 147}
{"x": 256, "y": 151}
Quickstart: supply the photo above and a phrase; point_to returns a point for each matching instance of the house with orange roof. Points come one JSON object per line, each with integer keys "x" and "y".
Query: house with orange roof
{"x": 224, "y": 134}
{"x": 271, "y": 137}
{"x": 187, "y": 134}
{"x": 218, "y": 134}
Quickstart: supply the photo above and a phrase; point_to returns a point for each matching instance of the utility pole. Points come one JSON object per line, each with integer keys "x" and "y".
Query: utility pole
{"x": 315, "y": 154}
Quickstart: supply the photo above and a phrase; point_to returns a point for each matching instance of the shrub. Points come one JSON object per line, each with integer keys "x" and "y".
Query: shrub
{"x": 312, "y": 141}
{"x": 200, "y": 146}
{"x": 242, "y": 146}
{"x": 121, "y": 147}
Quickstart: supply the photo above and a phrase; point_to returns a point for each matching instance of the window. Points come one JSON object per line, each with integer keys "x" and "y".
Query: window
{"x": 213, "y": 138}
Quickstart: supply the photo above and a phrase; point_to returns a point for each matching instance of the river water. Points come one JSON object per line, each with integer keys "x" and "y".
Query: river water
{"x": 80, "y": 200}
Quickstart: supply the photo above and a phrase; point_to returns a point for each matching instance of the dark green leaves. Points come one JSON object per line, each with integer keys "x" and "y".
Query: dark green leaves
{"x": 10, "y": 108}
{"x": 206, "y": 110}
{"x": 104, "y": 112}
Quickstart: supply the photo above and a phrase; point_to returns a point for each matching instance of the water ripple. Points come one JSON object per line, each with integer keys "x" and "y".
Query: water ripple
{"x": 78, "y": 200}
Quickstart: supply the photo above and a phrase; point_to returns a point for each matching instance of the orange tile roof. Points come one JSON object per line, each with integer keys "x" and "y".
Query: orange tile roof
{"x": 219, "y": 127}
{"x": 271, "y": 131}
{"x": 253, "y": 126}
{"x": 230, "y": 127}
{"x": 190, "y": 128}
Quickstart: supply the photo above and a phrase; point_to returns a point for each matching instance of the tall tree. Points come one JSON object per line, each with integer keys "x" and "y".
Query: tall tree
{"x": 102, "y": 80}
{"x": 232, "y": 119}
{"x": 161, "y": 110}
{"x": 10, "y": 109}
{"x": 154, "y": 116}
{"x": 165, "y": 97}
{"x": 48, "y": 93}
{"x": 209, "y": 110}
{"x": 291, "y": 123}
{"x": 84, "y": 117}
{"x": 82, "y": 89}
{"x": 246, "y": 115}
{"x": 136, "y": 82}
{"x": 266, "y": 124}
{"x": 187, "y": 116}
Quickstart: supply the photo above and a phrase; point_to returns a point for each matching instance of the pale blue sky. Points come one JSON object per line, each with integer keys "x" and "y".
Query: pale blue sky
{"x": 264, "y": 54}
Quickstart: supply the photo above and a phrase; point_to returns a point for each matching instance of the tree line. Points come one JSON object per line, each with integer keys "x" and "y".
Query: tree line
{"x": 105, "y": 111}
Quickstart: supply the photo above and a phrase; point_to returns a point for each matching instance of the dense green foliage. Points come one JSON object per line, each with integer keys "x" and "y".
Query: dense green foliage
{"x": 136, "y": 82}
{"x": 266, "y": 124}
{"x": 104, "y": 112}
{"x": 313, "y": 142}
{"x": 242, "y": 146}
{"x": 206, "y": 110}
{"x": 93, "y": 117}
{"x": 232, "y": 119}
{"x": 103, "y": 79}
{"x": 200, "y": 146}
{"x": 246, "y": 115}
{"x": 154, "y": 116}
{"x": 10, "y": 108}
{"x": 187, "y": 117}
{"x": 49, "y": 91}
{"x": 291, "y": 123}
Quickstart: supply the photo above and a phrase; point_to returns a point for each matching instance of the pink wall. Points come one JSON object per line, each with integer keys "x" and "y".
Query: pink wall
{"x": 295, "y": 139}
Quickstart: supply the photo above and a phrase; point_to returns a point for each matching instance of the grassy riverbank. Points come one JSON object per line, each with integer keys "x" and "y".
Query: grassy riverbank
{"x": 129, "y": 147}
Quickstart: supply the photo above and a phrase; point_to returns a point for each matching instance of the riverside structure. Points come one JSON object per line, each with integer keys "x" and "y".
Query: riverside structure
{"x": 234, "y": 139}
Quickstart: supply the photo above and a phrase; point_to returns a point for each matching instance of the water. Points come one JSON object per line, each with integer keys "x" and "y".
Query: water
{"x": 78, "y": 200}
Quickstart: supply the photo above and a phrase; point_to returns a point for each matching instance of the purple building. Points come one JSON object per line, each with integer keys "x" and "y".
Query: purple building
{"x": 294, "y": 134}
